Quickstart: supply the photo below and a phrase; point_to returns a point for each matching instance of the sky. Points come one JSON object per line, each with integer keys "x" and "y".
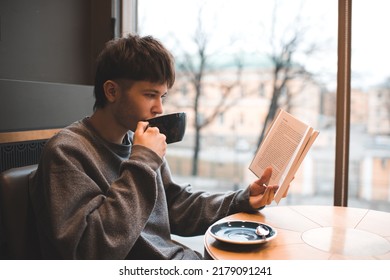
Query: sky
{"x": 245, "y": 25}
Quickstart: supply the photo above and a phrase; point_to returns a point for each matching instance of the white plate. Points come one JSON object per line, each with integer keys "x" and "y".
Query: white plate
{"x": 241, "y": 232}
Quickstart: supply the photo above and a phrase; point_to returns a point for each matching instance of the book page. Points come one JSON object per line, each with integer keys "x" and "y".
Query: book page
{"x": 286, "y": 144}
{"x": 295, "y": 165}
{"x": 280, "y": 147}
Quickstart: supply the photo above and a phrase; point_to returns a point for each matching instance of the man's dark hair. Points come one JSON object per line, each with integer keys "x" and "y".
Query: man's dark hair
{"x": 133, "y": 58}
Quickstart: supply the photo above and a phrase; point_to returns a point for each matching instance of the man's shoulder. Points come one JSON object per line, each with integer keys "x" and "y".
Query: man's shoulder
{"x": 69, "y": 136}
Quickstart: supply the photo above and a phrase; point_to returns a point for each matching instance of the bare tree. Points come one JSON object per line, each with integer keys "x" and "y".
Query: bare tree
{"x": 195, "y": 68}
{"x": 284, "y": 68}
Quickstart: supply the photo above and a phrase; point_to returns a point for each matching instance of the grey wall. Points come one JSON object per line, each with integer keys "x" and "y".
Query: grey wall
{"x": 48, "y": 50}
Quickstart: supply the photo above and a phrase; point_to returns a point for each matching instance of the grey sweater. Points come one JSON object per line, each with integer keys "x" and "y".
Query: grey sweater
{"x": 97, "y": 200}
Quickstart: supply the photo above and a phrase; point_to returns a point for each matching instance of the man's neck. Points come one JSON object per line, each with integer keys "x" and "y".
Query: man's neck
{"x": 106, "y": 127}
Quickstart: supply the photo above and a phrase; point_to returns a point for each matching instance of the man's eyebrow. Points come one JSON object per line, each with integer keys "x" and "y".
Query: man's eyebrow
{"x": 154, "y": 91}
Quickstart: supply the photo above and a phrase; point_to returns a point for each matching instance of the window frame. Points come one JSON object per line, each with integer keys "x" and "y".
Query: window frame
{"x": 343, "y": 103}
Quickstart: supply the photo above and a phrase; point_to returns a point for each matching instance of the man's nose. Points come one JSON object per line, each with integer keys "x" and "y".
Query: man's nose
{"x": 158, "y": 107}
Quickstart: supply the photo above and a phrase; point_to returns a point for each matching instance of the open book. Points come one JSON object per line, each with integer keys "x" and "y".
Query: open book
{"x": 284, "y": 147}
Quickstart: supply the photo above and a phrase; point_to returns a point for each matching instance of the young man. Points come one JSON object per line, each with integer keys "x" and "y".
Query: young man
{"x": 103, "y": 189}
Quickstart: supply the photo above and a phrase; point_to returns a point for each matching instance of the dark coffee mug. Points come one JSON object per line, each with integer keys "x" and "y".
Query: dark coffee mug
{"x": 173, "y": 126}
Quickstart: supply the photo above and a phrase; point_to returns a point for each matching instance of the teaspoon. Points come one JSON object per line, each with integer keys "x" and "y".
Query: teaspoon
{"x": 262, "y": 231}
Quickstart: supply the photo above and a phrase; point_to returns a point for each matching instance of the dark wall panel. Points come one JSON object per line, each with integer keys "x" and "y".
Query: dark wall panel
{"x": 26, "y": 105}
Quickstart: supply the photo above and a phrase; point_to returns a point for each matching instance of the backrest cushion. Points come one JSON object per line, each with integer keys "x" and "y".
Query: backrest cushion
{"x": 18, "y": 223}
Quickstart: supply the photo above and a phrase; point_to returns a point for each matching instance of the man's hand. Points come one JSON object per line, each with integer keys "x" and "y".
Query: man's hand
{"x": 151, "y": 138}
{"x": 260, "y": 193}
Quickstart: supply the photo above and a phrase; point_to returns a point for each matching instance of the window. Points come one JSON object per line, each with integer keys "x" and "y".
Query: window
{"x": 256, "y": 50}
{"x": 369, "y": 177}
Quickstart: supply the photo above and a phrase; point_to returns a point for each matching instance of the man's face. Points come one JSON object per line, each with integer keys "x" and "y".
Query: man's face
{"x": 140, "y": 101}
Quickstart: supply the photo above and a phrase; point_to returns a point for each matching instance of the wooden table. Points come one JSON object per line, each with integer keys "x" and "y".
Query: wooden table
{"x": 311, "y": 232}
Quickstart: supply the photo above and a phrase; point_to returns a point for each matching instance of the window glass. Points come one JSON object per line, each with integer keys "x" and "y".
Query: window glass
{"x": 369, "y": 172}
{"x": 236, "y": 56}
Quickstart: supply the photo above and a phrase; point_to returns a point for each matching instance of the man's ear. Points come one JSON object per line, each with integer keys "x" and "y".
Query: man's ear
{"x": 111, "y": 90}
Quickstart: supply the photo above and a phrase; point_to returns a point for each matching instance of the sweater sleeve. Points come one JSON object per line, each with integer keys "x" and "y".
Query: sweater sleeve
{"x": 80, "y": 213}
{"x": 192, "y": 212}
